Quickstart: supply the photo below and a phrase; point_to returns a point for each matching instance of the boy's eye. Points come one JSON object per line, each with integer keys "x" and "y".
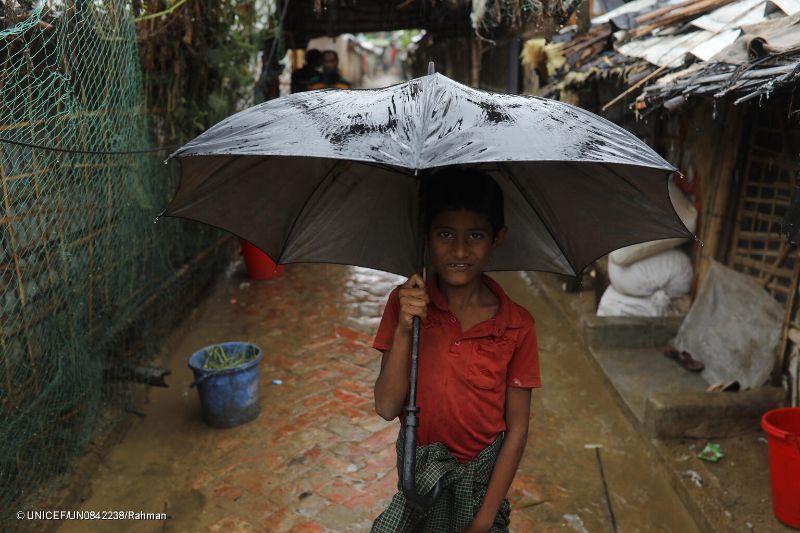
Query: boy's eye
{"x": 445, "y": 234}
{"x": 476, "y": 235}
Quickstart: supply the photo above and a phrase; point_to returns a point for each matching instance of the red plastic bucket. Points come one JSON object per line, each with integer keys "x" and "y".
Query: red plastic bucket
{"x": 783, "y": 430}
{"x": 259, "y": 265}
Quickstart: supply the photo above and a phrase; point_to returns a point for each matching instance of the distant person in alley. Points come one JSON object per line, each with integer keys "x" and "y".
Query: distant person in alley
{"x": 302, "y": 76}
{"x": 329, "y": 78}
{"x": 478, "y": 362}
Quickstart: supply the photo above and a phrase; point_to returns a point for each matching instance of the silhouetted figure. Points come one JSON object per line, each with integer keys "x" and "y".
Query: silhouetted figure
{"x": 329, "y": 78}
{"x": 302, "y": 76}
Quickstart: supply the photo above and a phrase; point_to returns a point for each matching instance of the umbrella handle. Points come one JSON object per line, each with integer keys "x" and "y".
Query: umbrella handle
{"x": 410, "y": 433}
{"x": 409, "y": 461}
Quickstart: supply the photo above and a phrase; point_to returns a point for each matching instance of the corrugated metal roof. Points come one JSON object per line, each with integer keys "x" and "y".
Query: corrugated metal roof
{"x": 715, "y": 44}
{"x": 790, "y": 7}
{"x": 631, "y": 7}
{"x": 732, "y": 16}
{"x": 669, "y": 51}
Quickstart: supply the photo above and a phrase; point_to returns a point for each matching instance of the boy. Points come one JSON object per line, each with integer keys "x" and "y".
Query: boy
{"x": 477, "y": 365}
{"x": 329, "y": 78}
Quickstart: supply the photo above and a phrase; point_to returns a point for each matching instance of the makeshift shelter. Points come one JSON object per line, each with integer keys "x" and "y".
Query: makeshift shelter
{"x": 711, "y": 84}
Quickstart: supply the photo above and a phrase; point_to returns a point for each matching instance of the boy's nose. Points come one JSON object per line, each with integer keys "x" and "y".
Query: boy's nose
{"x": 461, "y": 250}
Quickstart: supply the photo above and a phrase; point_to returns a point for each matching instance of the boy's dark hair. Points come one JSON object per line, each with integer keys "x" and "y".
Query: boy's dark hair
{"x": 313, "y": 57}
{"x": 456, "y": 189}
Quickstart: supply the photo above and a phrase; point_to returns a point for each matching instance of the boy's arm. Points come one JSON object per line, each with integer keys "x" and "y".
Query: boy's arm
{"x": 518, "y": 409}
{"x": 391, "y": 387}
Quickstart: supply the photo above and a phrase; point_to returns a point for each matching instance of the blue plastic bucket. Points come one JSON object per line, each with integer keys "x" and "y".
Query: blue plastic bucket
{"x": 229, "y": 397}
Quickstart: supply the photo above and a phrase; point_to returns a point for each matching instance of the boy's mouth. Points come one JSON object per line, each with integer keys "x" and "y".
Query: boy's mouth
{"x": 459, "y": 266}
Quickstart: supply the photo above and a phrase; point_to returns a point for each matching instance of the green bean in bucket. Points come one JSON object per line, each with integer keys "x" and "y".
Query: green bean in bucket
{"x": 218, "y": 359}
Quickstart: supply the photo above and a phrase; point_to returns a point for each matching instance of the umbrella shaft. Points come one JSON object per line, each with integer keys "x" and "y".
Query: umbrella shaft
{"x": 412, "y": 387}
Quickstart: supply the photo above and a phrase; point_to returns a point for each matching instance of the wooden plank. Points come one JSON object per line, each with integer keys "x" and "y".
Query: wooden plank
{"x": 766, "y": 200}
{"x": 760, "y": 236}
{"x": 775, "y": 219}
{"x": 764, "y": 267}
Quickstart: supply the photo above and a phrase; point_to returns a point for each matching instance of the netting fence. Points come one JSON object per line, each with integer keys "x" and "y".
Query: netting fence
{"x": 88, "y": 284}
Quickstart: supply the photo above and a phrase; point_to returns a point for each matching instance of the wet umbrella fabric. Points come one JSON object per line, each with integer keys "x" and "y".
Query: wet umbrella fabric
{"x": 329, "y": 176}
{"x": 335, "y": 177}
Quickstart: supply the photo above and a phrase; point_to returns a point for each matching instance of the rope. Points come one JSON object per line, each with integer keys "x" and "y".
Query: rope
{"x": 93, "y": 152}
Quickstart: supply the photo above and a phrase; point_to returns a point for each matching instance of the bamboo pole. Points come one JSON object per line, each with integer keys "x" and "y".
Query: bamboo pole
{"x": 722, "y": 194}
{"x": 6, "y": 354}
{"x": 20, "y": 284}
{"x": 656, "y": 13}
{"x": 59, "y": 118}
{"x": 86, "y": 181}
{"x": 689, "y": 9}
{"x": 51, "y": 278}
{"x": 635, "y": 86}
{"x": 109, "y": 197}
{"x": 475, "y": 63}
{"x": 790, "y": 318}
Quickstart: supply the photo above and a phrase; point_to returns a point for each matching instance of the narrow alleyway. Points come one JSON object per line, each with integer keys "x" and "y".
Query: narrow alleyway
{"x": 319, "y": 459}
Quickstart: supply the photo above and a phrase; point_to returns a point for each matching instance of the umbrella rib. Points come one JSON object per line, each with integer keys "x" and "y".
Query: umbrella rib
{"x": 340, "y": 166}
{"x": 513, "y": 179}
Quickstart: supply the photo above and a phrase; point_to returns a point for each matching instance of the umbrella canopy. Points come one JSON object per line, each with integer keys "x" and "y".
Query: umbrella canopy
{"x": 334, "y": 176}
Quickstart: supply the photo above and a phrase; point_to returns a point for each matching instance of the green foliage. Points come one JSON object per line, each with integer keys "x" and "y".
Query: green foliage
{"x": 203, "y": 65}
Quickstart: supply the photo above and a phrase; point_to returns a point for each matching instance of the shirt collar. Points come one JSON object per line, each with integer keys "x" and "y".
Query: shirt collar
{"x": 502, "y": 320}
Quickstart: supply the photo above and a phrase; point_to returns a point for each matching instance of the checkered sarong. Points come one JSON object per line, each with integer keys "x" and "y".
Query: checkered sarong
{"x": 461, "y": 497}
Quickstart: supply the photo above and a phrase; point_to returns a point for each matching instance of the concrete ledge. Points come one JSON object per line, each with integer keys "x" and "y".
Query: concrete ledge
{"x": 693, "y": 414}
{"x": 629, "y": 332}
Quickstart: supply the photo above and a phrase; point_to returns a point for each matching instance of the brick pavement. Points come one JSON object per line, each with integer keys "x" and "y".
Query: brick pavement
{"x": 318, "y": 458}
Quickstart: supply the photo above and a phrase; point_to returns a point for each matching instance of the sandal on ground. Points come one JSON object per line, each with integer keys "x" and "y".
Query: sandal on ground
{"x": 685, "y": 360}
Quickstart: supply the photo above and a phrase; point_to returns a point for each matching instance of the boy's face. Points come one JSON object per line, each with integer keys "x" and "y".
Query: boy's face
{"x": 460, "y": 244}
{"x": 330, "y": 63}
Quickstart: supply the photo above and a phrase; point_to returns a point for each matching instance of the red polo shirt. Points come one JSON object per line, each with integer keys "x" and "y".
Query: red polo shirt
{"x": 461, "y": 390}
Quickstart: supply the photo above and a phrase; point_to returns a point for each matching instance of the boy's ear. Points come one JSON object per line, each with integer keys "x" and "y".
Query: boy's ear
{"x": 500, "y": 236}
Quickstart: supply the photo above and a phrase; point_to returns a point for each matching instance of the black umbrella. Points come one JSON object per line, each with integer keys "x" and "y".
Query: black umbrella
{"x": 335, "y": 177}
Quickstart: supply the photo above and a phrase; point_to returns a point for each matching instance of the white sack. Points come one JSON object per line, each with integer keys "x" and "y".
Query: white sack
{"x": 734, "y": 327}
{"x": 670, "y": 271}
{"x": 615, "y": 304}
{"x": 688, "y": 215}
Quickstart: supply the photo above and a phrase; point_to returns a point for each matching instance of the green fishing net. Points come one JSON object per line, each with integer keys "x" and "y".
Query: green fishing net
{"x": 88, "y": 284}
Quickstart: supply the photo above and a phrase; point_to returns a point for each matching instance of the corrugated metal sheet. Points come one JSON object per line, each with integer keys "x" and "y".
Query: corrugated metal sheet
{"x": 732, "y": 16}
{"x": 665, "y": 51}
{"x": 716, "y": 44}
{"x": 630, "y": 7}
{"x": 790, "y": 7}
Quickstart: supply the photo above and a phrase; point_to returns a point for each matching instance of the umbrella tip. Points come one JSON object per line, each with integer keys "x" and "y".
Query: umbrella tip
{"x": 431, "y": 68}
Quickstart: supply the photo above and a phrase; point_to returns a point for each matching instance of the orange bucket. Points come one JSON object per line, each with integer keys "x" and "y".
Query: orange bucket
{"x": 259, "y": 265}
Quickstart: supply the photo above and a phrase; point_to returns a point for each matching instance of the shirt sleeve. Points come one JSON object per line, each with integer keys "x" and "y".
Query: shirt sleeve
{"x": 523, "y": 369}
{"x": 385, "y": 336}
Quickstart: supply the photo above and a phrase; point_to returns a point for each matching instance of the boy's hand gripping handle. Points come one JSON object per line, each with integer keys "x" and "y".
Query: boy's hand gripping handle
{"x": 410, "y": 432}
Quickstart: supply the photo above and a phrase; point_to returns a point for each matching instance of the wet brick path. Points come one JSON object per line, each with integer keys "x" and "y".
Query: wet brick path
{"x": 318, "y": 458}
